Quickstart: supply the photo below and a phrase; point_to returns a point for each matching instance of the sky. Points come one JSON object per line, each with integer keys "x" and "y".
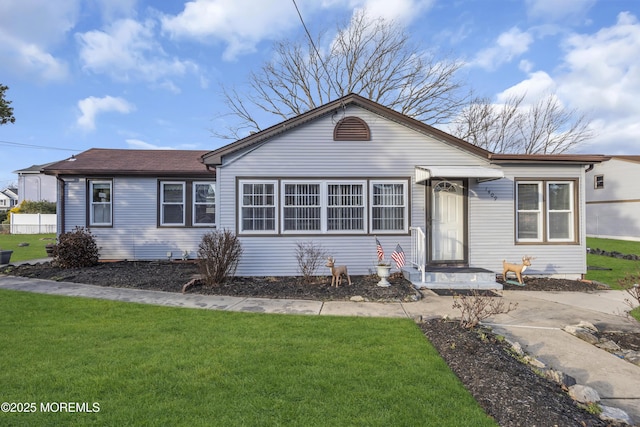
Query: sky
{"x": 145, "y": 74}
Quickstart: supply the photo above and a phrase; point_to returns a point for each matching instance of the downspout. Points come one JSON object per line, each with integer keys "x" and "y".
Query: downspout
{"x": 61, "y": 203}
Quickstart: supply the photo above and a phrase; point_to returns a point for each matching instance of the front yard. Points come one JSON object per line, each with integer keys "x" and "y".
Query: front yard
{"x": 169, "y": 366}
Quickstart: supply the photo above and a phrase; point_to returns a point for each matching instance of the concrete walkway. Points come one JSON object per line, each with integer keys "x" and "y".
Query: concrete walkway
{"x": 536, "y": 324}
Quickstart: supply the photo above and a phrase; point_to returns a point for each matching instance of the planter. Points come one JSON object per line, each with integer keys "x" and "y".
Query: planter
{"x": 383, "y": 273}
{"x": 5, "y": 257}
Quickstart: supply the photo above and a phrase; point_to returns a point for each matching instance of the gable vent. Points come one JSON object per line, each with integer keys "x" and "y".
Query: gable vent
{"x": 351, "y": 129}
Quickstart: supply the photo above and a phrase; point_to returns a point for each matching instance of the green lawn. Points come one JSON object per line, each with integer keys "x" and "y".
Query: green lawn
{"x": 619, "y": 267}
{"x": 169, "y": 366}
{"x": 35, "y": 249}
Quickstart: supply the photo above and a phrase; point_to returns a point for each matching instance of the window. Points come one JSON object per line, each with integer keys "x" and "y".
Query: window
{"x": 545, "y": 211}
{"x": 598, "y": 181}
{"x": 302, "y": 207}
{"x": 311, "y": 206}
{"x": 172, "y": 203}
{"x": 258, "y": 206}
{"x": 529, "y": 211}
{"x": 345, "y": 207}
{"x": 560, "y": 211}
{"x": 204, "y": 203}
{"x": 388, "y": 207}
{"x": 100, "y": 208}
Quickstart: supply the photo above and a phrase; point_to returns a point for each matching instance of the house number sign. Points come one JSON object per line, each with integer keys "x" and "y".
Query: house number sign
{"x": 491, "y": 193}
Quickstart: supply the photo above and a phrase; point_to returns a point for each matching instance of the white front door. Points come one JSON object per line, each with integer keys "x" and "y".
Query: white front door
{"x": 447, "y": 220}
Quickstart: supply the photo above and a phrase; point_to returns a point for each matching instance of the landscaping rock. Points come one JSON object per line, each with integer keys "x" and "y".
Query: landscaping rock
{"x": 517, "y": 348}
{"x": 583, "y": 394}
{"x": 633, "y": 357}
{"x": 356, "y": 298}
{"x": 616, "y": 415}
{"x": 559, "y": 377}
{"x": 534, "y": 362}
{"x": 583, "y": 333}
{"x": 608, "y": 345}
{"x": 587, "y": 325}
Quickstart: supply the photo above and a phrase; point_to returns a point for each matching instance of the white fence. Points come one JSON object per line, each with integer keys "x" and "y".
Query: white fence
{"x": 33, "y": 223}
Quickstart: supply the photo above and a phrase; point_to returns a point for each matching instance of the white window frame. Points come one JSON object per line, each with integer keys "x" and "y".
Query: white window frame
{"x": 540, "y": 212}
{"x": 163, "y": 204}
{"x": 364, "y": 206}
{"x": 571, "y": 211}
{"x": 321, "y": 206}
{"x": 241, "y": 205}
{"x": 595, "y": 182}
{"x": 195, "y": 203}
{"x": 405, "y": 206}
{"x": 92, "y": 203}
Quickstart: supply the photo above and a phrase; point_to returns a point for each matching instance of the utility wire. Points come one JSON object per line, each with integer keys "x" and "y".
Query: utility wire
{"x": 315, "y": 48}
{"x": 17, "y": 144}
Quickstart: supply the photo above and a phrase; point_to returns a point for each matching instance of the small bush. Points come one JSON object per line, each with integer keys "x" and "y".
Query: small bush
{"x": 630, "y": 283}
{"x": 75, "y": 249}
{"x": 475, "y": 308}
{"x": 310, "y": 257}
{"x": 219, "y": 254}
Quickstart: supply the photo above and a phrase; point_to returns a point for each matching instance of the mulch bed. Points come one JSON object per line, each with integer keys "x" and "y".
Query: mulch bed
{"x": 508, "y": 390}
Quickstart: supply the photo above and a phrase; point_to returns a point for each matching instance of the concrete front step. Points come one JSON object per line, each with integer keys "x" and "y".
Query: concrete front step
{"x": 453, "y": 278}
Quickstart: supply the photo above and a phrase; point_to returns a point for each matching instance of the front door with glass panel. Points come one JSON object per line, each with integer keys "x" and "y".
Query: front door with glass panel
{"x": 447, "y": 221}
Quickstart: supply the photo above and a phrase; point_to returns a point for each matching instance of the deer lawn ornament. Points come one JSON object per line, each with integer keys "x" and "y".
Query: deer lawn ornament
{"x": 337, "y": 272}
{"x": 516, "y": 268}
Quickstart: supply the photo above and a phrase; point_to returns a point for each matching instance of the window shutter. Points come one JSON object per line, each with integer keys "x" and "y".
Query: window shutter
{"x": 351, "y": 129}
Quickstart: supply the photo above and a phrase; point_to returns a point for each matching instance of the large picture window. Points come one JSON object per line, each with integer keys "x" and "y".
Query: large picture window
{"x": 101, "y": 208}
{"x": 545, "y": 211}
{"x": 311, "y": 206}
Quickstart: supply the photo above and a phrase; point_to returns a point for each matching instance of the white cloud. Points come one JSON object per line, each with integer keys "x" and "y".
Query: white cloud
{"x": 142, "y": 145}
{"x": 28, "y": 30}
{"x": 508, "y": 46}
{"x": 538, "y": 85}
{"x": 90, "y": 107}
{"x": 401, "y": 11}
{"x": 128, "y": 50}
{"x": 554, "y": 10}
{"x": 601, "y": 75}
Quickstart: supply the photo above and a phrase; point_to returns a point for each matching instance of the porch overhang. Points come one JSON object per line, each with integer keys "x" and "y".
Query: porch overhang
{"x": 480, "y": 173}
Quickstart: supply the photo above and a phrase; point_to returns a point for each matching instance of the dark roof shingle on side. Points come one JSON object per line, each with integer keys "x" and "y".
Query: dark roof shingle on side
{"x": 112, "y": 162}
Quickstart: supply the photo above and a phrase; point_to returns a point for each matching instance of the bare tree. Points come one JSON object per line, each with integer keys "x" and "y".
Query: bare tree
{"x": 542, "y": 128}
{"x": 373, "y": 58}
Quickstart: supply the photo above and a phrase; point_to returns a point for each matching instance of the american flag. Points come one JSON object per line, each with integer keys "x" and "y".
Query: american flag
{"x": 379, "y": 250}
{"x": 398, "y": 256}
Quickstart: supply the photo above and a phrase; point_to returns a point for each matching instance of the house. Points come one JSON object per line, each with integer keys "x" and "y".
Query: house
{"x": 613, "y": 198}
{"x": 344, "y": 175}
{"x": 34, "y": 185}
{"x": 8, "y": 198}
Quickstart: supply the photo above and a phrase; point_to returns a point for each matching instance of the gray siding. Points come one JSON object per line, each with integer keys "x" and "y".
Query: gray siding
{"x": 135, "y": 234}
{"x": 492, "y": 225}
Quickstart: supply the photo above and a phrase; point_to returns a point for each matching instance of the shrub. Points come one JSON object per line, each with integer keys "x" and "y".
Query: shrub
{"x": 310, "y": 257}
{"x": 630, "y": 283}
{"x": 32, "y": 207}
{"x": 219, "y": 254}
{"x": 75, "y": 249}
{"x": 476, "y": 307}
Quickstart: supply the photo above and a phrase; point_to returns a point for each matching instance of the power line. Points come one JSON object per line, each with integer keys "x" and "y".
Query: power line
{"x": 315, "y": 48}
{"x": 17, "y": 144}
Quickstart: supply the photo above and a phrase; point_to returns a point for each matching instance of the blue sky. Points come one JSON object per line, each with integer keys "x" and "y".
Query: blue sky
{"x": 147, "y": 74}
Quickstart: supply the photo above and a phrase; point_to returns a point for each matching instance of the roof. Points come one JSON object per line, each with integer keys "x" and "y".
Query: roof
{"x": 34, "y": 168}
{"x": 215, "y": 157}
{"x": 635, "y": 159}
{"x": 112, "y": 162}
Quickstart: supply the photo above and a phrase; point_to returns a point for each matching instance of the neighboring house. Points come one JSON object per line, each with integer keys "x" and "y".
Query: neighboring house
{"x": 613, "y": 198}
{"x": 36, "y": 186}
{"x": 341, "y": 175}
{"x": 8, "y": 198}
